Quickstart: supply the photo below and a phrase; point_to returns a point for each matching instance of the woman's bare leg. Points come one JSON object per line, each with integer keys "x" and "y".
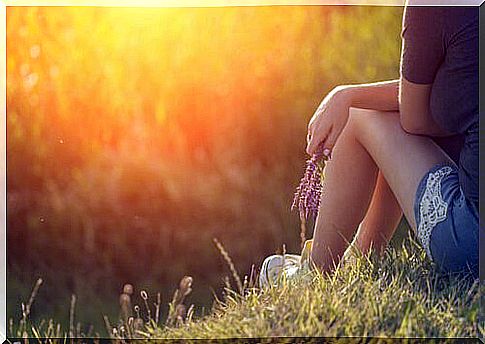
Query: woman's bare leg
{"x": 385, "y": 213}
{"x": 350, "y": 179}
{"x": 381, "y": 220}
{"x": 371, "y": 141}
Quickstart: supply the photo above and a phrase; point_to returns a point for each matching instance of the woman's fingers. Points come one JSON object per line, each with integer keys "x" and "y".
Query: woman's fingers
{"x": 312, "y": 125}
{"x": 311, "y": 144}
{"x": 310, "y": 148}
{"x": 327, "y": 138}
{"x": 330, "y": 142}
{"x": 318, "y": 136}
{"x": 327, "y": 123}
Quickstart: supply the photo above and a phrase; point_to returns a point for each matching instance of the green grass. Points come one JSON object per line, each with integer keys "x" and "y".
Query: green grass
{"x": 398, "y": 295}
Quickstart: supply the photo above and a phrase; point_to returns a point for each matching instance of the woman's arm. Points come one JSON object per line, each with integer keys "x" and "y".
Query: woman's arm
{"x": 382, "y": 96}
{"x": 422, "y": 54}
{"x": 412, "y": 101}
{"x": 331, "y": 116}
{"x": 414, "y": 110}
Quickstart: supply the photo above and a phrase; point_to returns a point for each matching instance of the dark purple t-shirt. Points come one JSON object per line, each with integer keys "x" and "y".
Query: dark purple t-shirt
{"x": 440, "y": 47}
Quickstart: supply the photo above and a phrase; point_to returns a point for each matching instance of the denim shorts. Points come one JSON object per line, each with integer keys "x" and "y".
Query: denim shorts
{"x": 447, "y": 222}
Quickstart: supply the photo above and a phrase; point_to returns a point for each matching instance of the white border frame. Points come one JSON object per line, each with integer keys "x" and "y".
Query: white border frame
{"x": 133, "y": 3}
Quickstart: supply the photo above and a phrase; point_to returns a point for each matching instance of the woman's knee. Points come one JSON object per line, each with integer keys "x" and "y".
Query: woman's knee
{"x": 372, "y": 123}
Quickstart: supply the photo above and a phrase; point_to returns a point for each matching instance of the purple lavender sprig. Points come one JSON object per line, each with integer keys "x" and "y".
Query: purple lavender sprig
{"x": 308, "y": 193}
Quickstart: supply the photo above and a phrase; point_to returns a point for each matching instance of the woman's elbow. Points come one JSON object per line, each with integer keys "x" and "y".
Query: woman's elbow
{"x": 412, "y": 127}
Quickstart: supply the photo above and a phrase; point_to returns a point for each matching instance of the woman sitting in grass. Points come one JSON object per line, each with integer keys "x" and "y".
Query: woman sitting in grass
{"x": 388, "y": 149}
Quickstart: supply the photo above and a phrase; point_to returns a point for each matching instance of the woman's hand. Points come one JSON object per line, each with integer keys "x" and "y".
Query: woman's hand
{"x": 328, "y": 121}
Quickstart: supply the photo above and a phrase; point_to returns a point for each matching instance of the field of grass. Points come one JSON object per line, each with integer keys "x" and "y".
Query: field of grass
{"x": 397, "y": 295}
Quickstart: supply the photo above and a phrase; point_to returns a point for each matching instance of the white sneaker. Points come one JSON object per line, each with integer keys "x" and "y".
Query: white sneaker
{"x": 288, "y": 266}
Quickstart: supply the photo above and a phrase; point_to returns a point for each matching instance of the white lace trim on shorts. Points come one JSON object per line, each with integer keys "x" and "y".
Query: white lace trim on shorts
{"x": 432, "y": 208}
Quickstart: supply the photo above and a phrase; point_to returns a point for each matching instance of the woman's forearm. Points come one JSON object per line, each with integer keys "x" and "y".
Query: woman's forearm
{"x": 384, "y": 96}
{"x": 381, "y": 96}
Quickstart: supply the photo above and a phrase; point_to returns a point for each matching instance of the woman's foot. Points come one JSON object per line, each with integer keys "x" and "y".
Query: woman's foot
{"x": 277, "y": 268}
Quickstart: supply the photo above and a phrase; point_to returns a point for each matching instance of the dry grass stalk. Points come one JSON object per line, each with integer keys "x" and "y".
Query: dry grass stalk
{"x": 157, "y": 308}
{"x": 229, "y": 262}
{"x": 128, "y": 289}
{"x": 72, "y": 330}
{"x": 28, "y": 306}
{"x": 190, "y": 313}
{"x": 125, "y": 306}
{"x": 227, "y": 282}
{"x": 144, "y": 296}
{"x": 302, "y": 230}
{"x": 125, "y": 302}
{"x": 252, "y": 276}
{"x": 177, "y": 310}
{"x": 107, "y": 324}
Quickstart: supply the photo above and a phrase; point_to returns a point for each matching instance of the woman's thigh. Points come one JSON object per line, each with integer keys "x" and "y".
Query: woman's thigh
{"x": 404, "y": 159}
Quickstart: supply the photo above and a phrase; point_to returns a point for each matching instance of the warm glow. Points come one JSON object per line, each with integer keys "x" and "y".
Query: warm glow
{"x": 137, "y": 135}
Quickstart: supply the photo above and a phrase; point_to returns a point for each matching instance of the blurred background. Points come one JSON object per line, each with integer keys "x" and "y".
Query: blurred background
{"x": 137, "y": 135}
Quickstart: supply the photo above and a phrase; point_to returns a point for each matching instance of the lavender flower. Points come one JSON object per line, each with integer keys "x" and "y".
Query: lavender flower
{"x": 308, "y": 193}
